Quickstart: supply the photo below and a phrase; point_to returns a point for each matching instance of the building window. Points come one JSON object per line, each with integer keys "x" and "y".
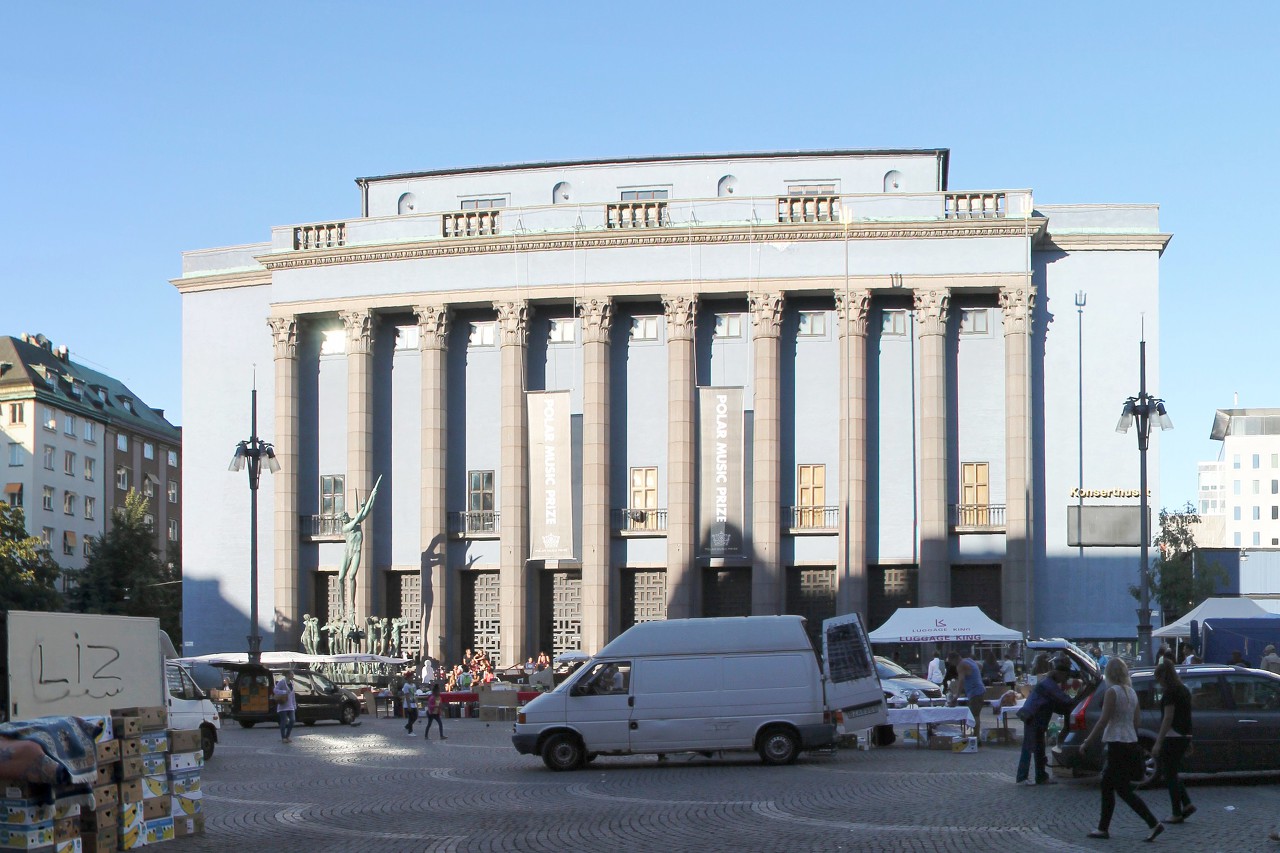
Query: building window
{"x": 89, "y": 465}
{"x": 407, "y": 337}
{"x": 728, "y": 326}
{"x": 173, "y": 530}
{"x": 173, "y": 459}
{"x": 975, "y": 494}
{"x": 15, "y": 453}
{"x": 1235, "y": 513}
{"x": 563, "y": 330}
{"x": 69, "y": 424}
{"x": 480, "y": 496}
{"x": 148, "y": 487}
{"x": 1275, "y": 513}
{"x": 1257, "y": 513}
{"x": 894, "y": 323}
{"x": 18, "y": 413}
{"x": 69, "y": 503}
{"x": 1257, "y": 487}
{"x": 1257, "y": 538}
{"x": 482, "y": 335}
{"x": 483, "y": 203}
{"x": 643, "y": 195}
{"x": 1235, "y": 487}
{"x": 122, "y": 478}
{"x": 122, "y": 443}
{"x": 1275, "y": 487}
{"x": 1235, "y": 461}
{"x": 813, "y": 324}
{"x": 333, "y": 342}
{"x": 128, "y": 405}
{"x": 1275, "y": 460}
{"x": 173, "y": 491}
{"x": 1257, "y": 460}
{"x": 46, "y": 498}
{"x": 1236, "y": 539}
{"x": 811, "y": 495}
{"x": 149, "y": 520}
{"x": 48, "y": 419}
{"x": 90, "y": 504}
{"x": 148, "y": 450}
{"x": 13, "y": 494}
{"x": 69, "y": 463}
{"x": 90, "y": 431}
{"x": 85, "y": 546}
{"x": 46, "y": 535}
{"x": 644, "y": 328}
{"x": 333, "y": 495}
{"x": 68, "y": 543}
{"x": 48, "y": 457}
{"x": 974, "y": 321}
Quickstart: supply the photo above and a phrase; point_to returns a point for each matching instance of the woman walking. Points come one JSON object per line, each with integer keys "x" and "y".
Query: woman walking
{"x": 1173, "y": 738}
{"x": 1118, "y": 728}
{"x": 433, "y": 711}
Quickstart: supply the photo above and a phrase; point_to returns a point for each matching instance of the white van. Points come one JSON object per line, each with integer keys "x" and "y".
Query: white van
{"x": 708, "y": 685}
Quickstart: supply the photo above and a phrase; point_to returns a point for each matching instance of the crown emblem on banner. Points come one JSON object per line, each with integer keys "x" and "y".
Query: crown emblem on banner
{"x": 721, "y": 540}
{"x": 551, "y": 540}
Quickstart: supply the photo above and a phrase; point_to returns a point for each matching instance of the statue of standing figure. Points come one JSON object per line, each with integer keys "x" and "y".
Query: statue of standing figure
{"x": 310, "y": 634}
{"x": 397, "y": 631}
{"x": 354, "y": 536}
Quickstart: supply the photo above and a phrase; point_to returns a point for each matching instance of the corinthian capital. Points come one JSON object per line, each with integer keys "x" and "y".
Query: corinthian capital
{"x": 597, "y": 319}
{"x": 852, "y": 308}
{"x": 284, "y": 332}
{"x": 680, "y": 311}
{"x": 359, "y": 326}
{"x": 433, "y": 326}
{"x": 513, "y": 322}
{"x": 931, "y": 308}
{"x": 1018, "y": 305}
{"x": 766, "y": 314}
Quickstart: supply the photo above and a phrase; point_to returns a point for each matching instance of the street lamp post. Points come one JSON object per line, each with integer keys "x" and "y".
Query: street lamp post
{"x": 251, "y": 455}
{"x": 1144, "y": 409}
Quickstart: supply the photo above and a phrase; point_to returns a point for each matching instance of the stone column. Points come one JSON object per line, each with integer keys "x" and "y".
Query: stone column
{"x": 683, "y": 583}
{"x": 1017, "y": 582}
{"x": 433, "y": 345}
{"x": 360, "y": 330}
{"x": 768, "y": 581}
{"x": 931, "y": 308}
{"x": 597, "y": 573}
{"x": 852, "y": 309}
{"x": 289, "y": 587}
{"x": 513, "y": 321}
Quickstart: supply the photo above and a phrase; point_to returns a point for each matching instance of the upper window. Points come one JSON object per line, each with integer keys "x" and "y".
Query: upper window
{"x": 563, "y": 330}
{"x": 89, "y": 464}
{"x": 122, "y": 443}
{"x": 483, "y": 335}
{"x": 407, "y": 337}
{"x": 643, "y": 195}
{"x": 173, "y": 458}
{"x": 17, "y": 413}
{"x": 811, "y": 496}
{"x": 333, "y": 495}
{"x": 148, "y": 487}
{"x": 122, "y": 478}
{"x": 89, "y": 503}
{"x": 69, "y": 463}
{"x": 728, "y": 326}
{"x": 90, "y": 431}
{"x": 173, "y": 530}
{"x": 46, "y": 498}
{"x": 1235, "y": 460}
{"x": 644, "y": 328}
{"x": 46, "y": 535}
{"x": 69, "y": 424}
{"x": 333, "y": 341}
{"x": 13, "y": 494}
{"x": 173, "y": 491}
{"x": 974, "y": 321}
{"x": 47, "y": 418}
{"x": 148, "y": 450}
{"x": 69, "y": 503}
{"x": 894, "y": 322}
{"x": 811, "y": 189}
{"x": 1257, "y": 460}
{"x": 483, "y": 203}
{"x": 48, "y": 457}
{"x": 812, "y": 324}
{"x": 15, "y": 453}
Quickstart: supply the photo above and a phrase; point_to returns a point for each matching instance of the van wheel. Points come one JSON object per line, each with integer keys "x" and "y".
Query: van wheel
{"x": 590, "y": 757}
{"x": 206, "y": 743}
{"x": 247, "y": 724}
{"x": 349, "y": 714}
{"x": 563, "y": 752}
{"x": 778, "y": 746}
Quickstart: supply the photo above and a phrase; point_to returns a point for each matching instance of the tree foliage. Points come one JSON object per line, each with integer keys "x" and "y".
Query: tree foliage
{"x": 1178, "y": 580}
{"x": 125, "y": 574}
{"x": 28, "y": 573}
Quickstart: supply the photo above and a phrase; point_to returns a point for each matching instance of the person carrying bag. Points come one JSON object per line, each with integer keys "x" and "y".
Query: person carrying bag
{"x": 1047, "y": 698}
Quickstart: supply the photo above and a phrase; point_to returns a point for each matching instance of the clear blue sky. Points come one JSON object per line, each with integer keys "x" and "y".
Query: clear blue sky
{"x": 130, "y": 132}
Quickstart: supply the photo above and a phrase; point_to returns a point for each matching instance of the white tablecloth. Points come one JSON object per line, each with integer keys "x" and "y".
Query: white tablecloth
{"x": 929, "y": 716}
{"x": 1005, "y": 714}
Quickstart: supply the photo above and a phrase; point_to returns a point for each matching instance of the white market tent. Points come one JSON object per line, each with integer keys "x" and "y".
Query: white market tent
{"x": 1213, "y": 608}
{"x": 942, "y": 625}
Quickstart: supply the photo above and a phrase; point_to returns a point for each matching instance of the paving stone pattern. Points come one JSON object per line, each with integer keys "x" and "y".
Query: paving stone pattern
{"x": 371, "y": 788}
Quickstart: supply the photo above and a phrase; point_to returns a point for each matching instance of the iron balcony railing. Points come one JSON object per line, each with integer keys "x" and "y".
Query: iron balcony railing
{"x": 321, "y": 526}
{"x": 813, "y": 517}
{"x": 977, "y": 518}
{"x": 475, "y": 522}
{"x": 639, "y": 519}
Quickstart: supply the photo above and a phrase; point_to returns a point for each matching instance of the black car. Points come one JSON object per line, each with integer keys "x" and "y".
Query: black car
{"x": 253, "y": 698}
{"x": 1235, "y": 718}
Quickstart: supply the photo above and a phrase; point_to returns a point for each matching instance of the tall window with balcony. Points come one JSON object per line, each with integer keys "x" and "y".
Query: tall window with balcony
{"x": 811, "y": 496}
{"x": 639, "y": 208}
{"x": 809, "y": 203}
{"x": 333, "y": 503}
{"x": 479, "y": 217}
{"x": 642, "y": 513}
{"x": 480, "y": 516}
{"x": 975, "y": 495}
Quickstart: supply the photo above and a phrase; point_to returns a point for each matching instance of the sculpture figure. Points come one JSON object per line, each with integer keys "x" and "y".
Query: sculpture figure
{"x": 336, "y": 634}
{"x": 384, "y": 636}
{"x": 397, "y": 636}
{"x": 373, "y": 630}
{"x": 310, "y": 634}
{"x": 354, "y": 536}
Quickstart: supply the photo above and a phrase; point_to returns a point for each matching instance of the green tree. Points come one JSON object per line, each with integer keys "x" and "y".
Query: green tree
{"x": 1178, "y": 579}
{"x": 28, "y": 573}
{"x": 125, "y": 574}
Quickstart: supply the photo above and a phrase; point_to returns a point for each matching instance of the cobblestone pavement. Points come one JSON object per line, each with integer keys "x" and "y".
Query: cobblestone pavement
{"x": 372, "y": 788}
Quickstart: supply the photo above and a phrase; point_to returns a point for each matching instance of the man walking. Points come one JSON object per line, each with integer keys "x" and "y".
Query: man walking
{"x": 409, "y": 700}
{"x": 286, "y": 705}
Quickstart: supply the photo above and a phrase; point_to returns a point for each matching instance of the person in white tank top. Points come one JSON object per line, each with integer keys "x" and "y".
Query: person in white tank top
{"x": 1118, "y": 728}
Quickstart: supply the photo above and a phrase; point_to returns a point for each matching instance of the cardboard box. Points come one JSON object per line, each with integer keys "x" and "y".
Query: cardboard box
{"x": 155, "y": 786}
{"x": 152, "y": 743}
{"x": 157, "y": 807}
{"x": 27, "y": 837}
{"x": 184, "y": 740}
{"x": 130, "y": 767}
{"x": 105, "y": 816}
{"x": 132, "y": 838}
{"x": 129, "y": 747}
{"x": 191, "y": 825}
{"x": 130, "y": 791}
{"x": 108, "y": 751}
{"x": 108, "y": 729}
{"x": 106, "y": 774}
{"x": 184, "y": 806}
{"x": 150, "y": 717}
{"x": 71, "y": 845}
{"x": 102, "y": 841}
{"x": 24, "y": 812}
{"x": 131, "y": 828}
{"x": 158, "y": 830}
{"x": 126, "y": 726}
{"x": 964, "y": 744}
{"x": 940, "y": 742}
{"x": 186, "y": 784}
{"x": 182, "y": 761}
{"x": 153, "y": 764}
{"x": 64, "y": 808}
{"x": 66, "y": 829}
{"x": 105, "y": 795}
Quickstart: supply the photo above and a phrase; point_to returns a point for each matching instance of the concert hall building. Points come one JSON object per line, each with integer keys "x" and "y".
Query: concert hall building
{"x": 617, "y": 390}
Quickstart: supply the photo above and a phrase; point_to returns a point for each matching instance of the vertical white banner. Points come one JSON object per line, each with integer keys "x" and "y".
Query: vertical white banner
{"x": 721, "y": 518}
{"x": 550, "y": 476}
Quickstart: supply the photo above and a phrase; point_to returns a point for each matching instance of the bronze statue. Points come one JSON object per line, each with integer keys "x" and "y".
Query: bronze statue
{"x": 354, "y": 536}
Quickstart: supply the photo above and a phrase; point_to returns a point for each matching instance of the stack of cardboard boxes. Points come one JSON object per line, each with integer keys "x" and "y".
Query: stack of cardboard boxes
{"x": 498, "y": 703}
{"x": 29, "y": 822}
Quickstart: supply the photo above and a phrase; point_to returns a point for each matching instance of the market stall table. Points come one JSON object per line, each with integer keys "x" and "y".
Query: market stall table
{"x": 930, "y": 717}
{"x": 1002, "y": 714}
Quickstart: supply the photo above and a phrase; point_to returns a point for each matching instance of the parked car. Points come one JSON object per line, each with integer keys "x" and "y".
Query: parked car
{"x": 253, "y": 700}
{"x": 898, "y": 685}
{"x": 1235, "y": 717}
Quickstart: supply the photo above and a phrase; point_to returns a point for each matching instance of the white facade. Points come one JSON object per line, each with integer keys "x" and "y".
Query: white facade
{"x": 1243, "y": 486}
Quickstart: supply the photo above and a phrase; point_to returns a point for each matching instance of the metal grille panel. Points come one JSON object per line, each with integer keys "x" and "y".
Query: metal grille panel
{"x": 404, "y": 600}
{"x": 726, "y": 592}
{"x": 811, "y": 593}
{"x": 328, "y": 605}
{"x": 644, "y": 596}
{"x": 561, "y": 612}
{"x": 482, "y": 618}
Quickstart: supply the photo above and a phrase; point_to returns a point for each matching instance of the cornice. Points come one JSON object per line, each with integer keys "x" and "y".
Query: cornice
{"x": 1104, "y": 242}
{"x": 222, "y": 281}
{"x": 672, "y": 236}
